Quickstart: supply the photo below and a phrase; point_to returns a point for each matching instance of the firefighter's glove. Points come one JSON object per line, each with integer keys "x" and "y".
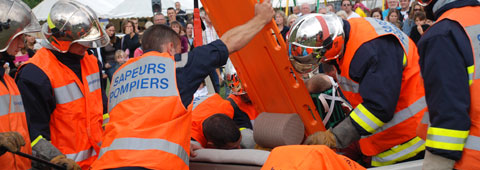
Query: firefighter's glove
{"x": 436, "y": 162}
{"x": 64, "y": 161}
{"x": 10, "y": 141}
{"x": 322, "y": 138}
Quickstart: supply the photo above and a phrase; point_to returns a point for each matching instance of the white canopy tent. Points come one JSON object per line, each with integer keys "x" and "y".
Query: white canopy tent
{"x": 111, "y": 9}
{"x": 186, "y": 5}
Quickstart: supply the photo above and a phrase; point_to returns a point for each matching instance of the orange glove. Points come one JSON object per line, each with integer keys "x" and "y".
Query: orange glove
{"x": 64, "y": 161}
{"x": 11, "y": 141}
{"x": 322, "y": 138}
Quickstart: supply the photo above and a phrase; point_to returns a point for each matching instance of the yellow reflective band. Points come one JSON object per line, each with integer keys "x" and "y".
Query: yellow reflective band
{"x": 242, "y": 128}
{"x": 370, "y": 115}
{"x": 50, "y": 23}
{"x": 448, "y": 132}
{"x": 36, "y": 140}
{"x": 400, "y": 149}
{"x": 360, "y": 122}
{"x": 404, "y": 59}
{"x": 444, "y": 145}
{"x": 470, "y": 71}
{"x": 106, "y": 116}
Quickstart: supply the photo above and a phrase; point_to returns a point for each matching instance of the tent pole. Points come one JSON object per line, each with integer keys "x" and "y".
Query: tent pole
{"x": 286, "y": 8}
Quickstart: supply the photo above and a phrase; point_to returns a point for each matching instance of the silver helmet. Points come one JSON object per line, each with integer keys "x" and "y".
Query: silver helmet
{"x": 232, "y": 80}
{"x": 314, "y": 38}
{"x": 16, "y": 19}
{"x": 71, "y": 22}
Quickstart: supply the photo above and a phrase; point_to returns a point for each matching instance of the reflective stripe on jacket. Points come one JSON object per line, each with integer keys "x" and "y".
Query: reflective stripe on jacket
{"x": 149, "y": 126}
{"x": 399, "y": 132}
{"x": 12, "y": 119}
{"x": 76, "y": 122}
{"x": 461, "y": 140}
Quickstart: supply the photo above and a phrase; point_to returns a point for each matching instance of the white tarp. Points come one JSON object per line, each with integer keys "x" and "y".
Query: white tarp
{"x": 104, "y": 8}
{"x": 186, "y": 5}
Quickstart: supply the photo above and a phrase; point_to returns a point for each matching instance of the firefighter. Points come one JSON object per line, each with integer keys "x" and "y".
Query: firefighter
{"x": 149, "y": 126}
{"x": 60, "y": 85}
{"x": 378, "y": 74}
{"x": 449, "y": 55}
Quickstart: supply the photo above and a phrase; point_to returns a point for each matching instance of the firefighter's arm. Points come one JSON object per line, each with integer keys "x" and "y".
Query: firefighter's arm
{"x": 237, "y": 37}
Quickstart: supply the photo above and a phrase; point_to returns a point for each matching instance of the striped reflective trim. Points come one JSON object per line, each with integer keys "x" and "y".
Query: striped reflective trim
{"x": 93, "y": 81}
{"x": 366, "y": 119}
{"x": 183, "y": 61}
{"x": 472, "y": 32}
{"x": 470, "y": 71}
{"x": 199, "y": 99}
{"x": 404, "y": 60}
{"x": 399, "y": 153}
{"x": 347, "y": 84}
{"x": 473, "y": 142}
{"x": 146, "y": 144}
{"x": 34, "y": 142}
{"x": 425, "y": 118}
{"x": 16, "y": 104}
{"x": 384, "y": 27}
{"x": 446, "y": 139}
{"x": 405, "y": 114}
{"x": 82, "y": 155}
{"x": 4, "y": 104}
{"x": 106, "y": 119}
{"x": 67, "y": 93}
{"x": 150, "y": 76}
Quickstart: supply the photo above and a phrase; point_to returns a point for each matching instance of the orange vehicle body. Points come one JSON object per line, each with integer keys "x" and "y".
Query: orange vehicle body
{"x": 263, "y": 65}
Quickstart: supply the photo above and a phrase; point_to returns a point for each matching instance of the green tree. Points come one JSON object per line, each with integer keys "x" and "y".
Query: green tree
{"x": 32, "y": 3}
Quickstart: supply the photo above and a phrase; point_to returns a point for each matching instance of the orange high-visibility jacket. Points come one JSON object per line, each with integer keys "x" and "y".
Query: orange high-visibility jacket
{"x": 249, "y": 109}
{"x": 300, "y": 157}
{"x": 12, "y": 119}
{"x": 202, "y": 108}
{"x": 76, "y": 122}
{"x": 447, "y": 139}
{"x": 149, "y": 126}
{"x": 400, "y": 131}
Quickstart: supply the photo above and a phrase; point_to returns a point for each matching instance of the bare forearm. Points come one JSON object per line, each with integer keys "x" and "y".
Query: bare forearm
{"x": 239, "y": 36}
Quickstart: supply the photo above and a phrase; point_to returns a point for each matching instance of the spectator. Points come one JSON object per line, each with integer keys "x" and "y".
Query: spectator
{"x": 296, "y": 11}
{"x": 280, "y": 19}
{"x": 139, "y": 51}
{"x": 331, "y": 8}
{"x": 189, "y": 33}
{"x": 177, "y": 27}
{"x": 392, "y": 4}
{"x": 30, "y": 45}
{"x": 130, "y": 40}
{"x": 404, "y": 5}
{"x": 210, "y": 35}
{"x": 181, "y": 14}
{"x": 342, "y": 14}
{"x": 347, "y": 7}
{"x": 393, "y": 17}
{"x": 420, "y": 26}
{"x": 135, "y": 24}
{"x": 305, "y": 9}
{"x": 108, "y": 52}
{"x": 148, "y": 24}
{"x": 120, "y": 58}
{"x": 322, "y": 10}
{"x": 291, "y": 19}
{"x": 376, "y": 13}
{"x": 410, "y": 22}
{"x": 172, "y": 16}
{"x": 159, "y": 18}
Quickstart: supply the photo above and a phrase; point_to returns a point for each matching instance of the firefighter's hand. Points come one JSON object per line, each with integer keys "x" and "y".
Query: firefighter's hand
{"x": 193, "y": 148}
{"x": 322, "y": 138}
{"x": 264, "y": 11}
{"x": 10, "y": 141}
{"x": 64, "y": 161}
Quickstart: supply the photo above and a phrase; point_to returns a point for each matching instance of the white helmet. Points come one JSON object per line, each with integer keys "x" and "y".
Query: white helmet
{"x": 232, "y": 79}
{"x": 16, "y": 18}
{"x": 314, "y": 38}
{"x": 71, "y": 22}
